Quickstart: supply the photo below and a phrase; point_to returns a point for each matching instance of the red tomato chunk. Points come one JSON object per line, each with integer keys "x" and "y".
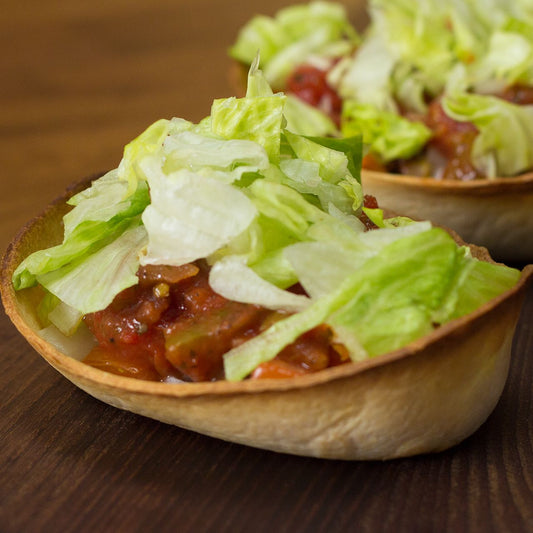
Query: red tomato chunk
{"x": 172, "y": 325}
{"x": 310, "y": 85}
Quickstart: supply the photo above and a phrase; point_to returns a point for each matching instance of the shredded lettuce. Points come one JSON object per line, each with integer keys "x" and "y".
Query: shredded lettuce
{"x": 85, "y": 236}
{"x": 367, "y": 76}
{"x": 388, "y": 135}
{"x": 190, "y": 216}
{"x": 258, "y": 119}
{"x": 392, "y": 299}
{"x": 232, "y": 278}
{"x": 385, "y": 303}
{"x": 504, "y": 146}
{"x": 89, "y": 284}
{"x": 292, "y": 36}
{"x": 305, "y": 119}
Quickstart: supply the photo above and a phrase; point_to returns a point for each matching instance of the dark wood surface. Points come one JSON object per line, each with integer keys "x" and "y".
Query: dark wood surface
{"x": 78, "y": 81}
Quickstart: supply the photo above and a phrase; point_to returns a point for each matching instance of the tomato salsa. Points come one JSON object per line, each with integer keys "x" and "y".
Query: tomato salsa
{"x": 172, "y": 326}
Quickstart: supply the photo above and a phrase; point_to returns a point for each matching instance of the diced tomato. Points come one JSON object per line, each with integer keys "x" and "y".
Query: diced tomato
{"x": 195, "y": 346}
{"x": 310, "y": 84}
{"x": 184, "y": 330}
{"x": 453, "y": 139}
{"x": 371, "y": 162}
{"x": 277, "y": 369}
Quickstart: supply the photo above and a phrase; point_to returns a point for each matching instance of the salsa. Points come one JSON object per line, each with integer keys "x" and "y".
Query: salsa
{"x": 310, "y": 84}
{"x": 173, "y": 326}
{"x": 448, "y": 152}
{"x": 166, "y": 328}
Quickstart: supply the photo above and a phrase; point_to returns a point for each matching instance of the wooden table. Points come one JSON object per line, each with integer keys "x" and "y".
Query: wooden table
{"x": 78, "y": 81}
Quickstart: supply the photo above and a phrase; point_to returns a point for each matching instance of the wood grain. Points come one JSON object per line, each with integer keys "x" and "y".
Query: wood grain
{"x": 79, "y": 80}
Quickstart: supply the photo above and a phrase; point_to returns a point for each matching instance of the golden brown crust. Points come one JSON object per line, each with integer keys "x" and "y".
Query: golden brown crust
{"x": 422, "y": 398}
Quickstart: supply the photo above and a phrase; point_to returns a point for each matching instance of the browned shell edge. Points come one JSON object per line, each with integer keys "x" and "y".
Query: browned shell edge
{"x": 46, "y": 229}
{"x": 515, "y": 184}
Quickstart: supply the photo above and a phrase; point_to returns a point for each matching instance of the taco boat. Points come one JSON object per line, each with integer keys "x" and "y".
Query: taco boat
{"x": 227, "y": 277}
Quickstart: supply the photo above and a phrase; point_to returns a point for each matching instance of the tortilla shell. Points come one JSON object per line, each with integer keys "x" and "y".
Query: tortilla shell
{"x": 423, "y": 398}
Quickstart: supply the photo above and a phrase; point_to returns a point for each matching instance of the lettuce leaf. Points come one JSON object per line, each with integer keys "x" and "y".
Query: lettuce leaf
{"x": 98, "y": 218}
{"x": 367, "y": 76}
{"x": 258, "y": 119}
{"x": 504, "y": 146}
{"x": 292, "y": 36}
{"x": 384, "y": 303}
{"x": 190, "y": 216}
{"x": 232, "y": 278}
{"x": 90, "y": 283}
{"x": 388, "y": 135}
{"x": 148, "y": 142}
{"x": 307, "y": 120}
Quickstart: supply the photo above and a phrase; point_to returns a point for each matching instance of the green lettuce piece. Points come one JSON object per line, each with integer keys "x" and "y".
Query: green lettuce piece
{"x": 366, "y": 78}
{"x": 304, "y": 177}
{"x": 508, "y": 60}
{"x": 390, "y": 300}
{"x": 106, "y": 198}
{"x": 295, "y": 33}
{"x": 377, "y": 216}
{"x": 191, "y": 215}
{"x": 335, "y": 253}
{"x": 85, "y": 235}
{"x": 257, "y": 85}
{"x": 285, "y": 217}
{"x": 305, "y": 119}
{"x": 226, "y": 159}
{"x": 388, "y": 135}
{"x": 418, "y": 34}
{"x": 504, "y": 146}
{"x": 89, "y": 283}
{"x": 284, "y": 207}
{"x": 148, "y": 142}
{"x": 350, "y": 145}
{"x": 232, "y": 278}
{"x": 476, "y": 283}
{"x": 336, "y": 178}
{"x": 332, "y": 164}
{"x": 259, "y": 119}
{"x": 397, "y": 301}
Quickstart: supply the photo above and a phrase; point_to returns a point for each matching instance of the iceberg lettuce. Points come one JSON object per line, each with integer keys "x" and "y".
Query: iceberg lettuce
{"x": 87, "y": 230}
{"x": 292, "y": 36}
{"x": 387, "y": 134}
{"x": 504, "y": 146}
{"x": 390, "y": 300}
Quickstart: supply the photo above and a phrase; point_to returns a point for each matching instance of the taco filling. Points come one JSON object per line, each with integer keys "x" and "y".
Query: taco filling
{"x": 436, "y": 89}
{"x": 236, "y": 248}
